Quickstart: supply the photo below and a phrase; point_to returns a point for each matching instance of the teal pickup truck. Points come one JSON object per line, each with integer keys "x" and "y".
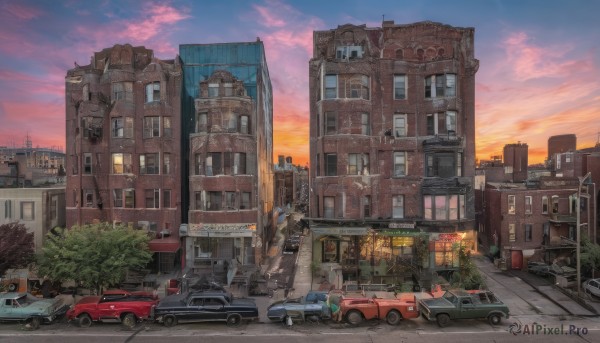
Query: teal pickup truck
{"x": 461, "y": 304}
{"x": 26, "y": 308}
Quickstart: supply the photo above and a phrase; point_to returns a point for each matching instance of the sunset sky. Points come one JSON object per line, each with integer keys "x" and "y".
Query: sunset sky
{"x": 539, "y": 72}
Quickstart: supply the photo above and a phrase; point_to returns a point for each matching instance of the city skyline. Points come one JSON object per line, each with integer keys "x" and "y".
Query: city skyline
{"x": 537, "y": 76}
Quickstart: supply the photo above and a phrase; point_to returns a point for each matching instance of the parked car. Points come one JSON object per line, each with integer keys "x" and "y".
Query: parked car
{"x": 538, "y": 268}
{"x": 292, "y": 243}
{"x": 26, "y": 308}
{"x": 115, "y": 305}
{"x": 208, "y": 306}
{"x": 460, "y": 304}
{"x": 313, "y": 304}
{"x": 355, "y": 310}
{"x": 592, "y": 286}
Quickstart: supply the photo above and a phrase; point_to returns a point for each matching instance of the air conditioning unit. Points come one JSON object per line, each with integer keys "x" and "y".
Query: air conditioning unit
{"x": 142, "y": 224}
{"x": 183, "y": 230}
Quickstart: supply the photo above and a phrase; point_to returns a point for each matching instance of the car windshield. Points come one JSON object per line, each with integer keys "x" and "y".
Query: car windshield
{"x": 24, "y": 301}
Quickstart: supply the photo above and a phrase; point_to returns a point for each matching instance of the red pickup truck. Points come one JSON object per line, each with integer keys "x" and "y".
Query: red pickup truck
{"x": 355, "y": 310}
{"x": 113, "y": 306}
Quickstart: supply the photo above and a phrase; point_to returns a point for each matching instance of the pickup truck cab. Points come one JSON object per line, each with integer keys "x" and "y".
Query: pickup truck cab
{"x": 113, "y": 306}
{"x": 355, "y": 310}
{"x": 460, "y": 304}
{"x": 206, "y": 306}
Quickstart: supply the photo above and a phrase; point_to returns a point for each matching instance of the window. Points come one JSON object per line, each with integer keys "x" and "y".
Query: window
{"x": 528, "y": 204}
{"x": 152, "y": 198}
{"x": 121, "y": 163}
{"x": 244, "y": 124}
{"x": 213, "y": 90}
{"x": 166, "y": 163}
{"x": 245, "y": 203}
{"x": 230, "y": 200}
{"x": 166, "y": 198}
{"x": 328, "y": 207}
{"x": 399, "y": 87}
{"x": 330, "y": 164}
{"x": 331, "y": 249}
{"x": 129, "y": 198}
{"x": 202, "y": 122}
{"x": 445, "y": 254}
{"x": 432, "y": 128}
{"x": 122, "y": 91}
{"x": 122, "y": 127}
{"x": 228, "y": 88}
{"x": 349, "y": 52}
{"x": 359, "y": 87}
{"x": 213, "y": 164}
{"x": 87, "y": 162}
{"x": 358, "y": 164}
{"x": 365, "y": 124}
{"x": 330, "y": 123}
{"x": 451, "y": 122}
{"x": 88, "y": 198}
{"x": 8, "y": 209}
{"x": 398, "y": 206}
{"x": 399, "y": 125}
{"x": 511, "y": 204}
{"x": 198, "y": 164}
{"x": 444, "y": 207}
{"x": 27, "y": 210}
{"x": 528, "y": 232}
{"x": 213, "y": 201}
{"x": 545, "y": 204}
{"x": 167, "y": 132}
{"x": 367, "y": 206}
{"x": 442, "y": 85}
{"x": 442, "y": 164}
{"x": 330, "y": 86}
{"x": 75, "y": 170}
{"x": 555, "y": 204}
{"x": 153, "y": 92}
{"x": 149, "y": 164}
{"x": 234, "y": 163}
{"x": 117, "y": 197}
{"x": 399, "y": 163}
{"x": 512, "y": 234}
{"x": 151, "y": 127}
{"x": 198, "y": 205}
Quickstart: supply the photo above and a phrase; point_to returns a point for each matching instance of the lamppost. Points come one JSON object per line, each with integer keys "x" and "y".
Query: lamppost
{"x": 578, "y": 213}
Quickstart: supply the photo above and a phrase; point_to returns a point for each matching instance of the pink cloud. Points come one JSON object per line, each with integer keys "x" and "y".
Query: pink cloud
{"x": 20, "y": 12}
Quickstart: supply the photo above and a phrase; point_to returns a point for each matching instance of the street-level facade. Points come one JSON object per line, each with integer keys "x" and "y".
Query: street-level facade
{"x": 392, "y": 148}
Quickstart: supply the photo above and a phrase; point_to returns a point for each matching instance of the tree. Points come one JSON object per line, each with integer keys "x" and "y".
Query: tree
{"x": 16, "y": 246}
{"x": 468, "y": 276}
{"x": 590, "y": 255}
{"x": 95, "y": 256}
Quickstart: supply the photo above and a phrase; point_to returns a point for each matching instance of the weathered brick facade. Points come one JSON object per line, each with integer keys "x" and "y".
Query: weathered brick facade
{"x": 123, "y": 144}
{"x": 392, "y": 134}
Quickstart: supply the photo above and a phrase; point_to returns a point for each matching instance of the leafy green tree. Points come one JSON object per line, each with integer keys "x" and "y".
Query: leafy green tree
{"x": 468, "y": 276}
{"x": 16, "y": 246}
{"x": 96, "y": 255}
{"x": 590, "y": 256}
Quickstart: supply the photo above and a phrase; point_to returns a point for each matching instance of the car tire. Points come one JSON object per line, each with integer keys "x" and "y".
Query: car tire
{"x": 129, "y": 320}
{"x": 234, "y": 319}
{"x": 34, "y": 323}
{"x": 443, "y": 320}
{"x": 354, "y": 317}
{"x": 393, "y": 317}
{"x": 170, "y": 321}
{"x": 12, "y": 287}
{"x": 495, "y": 319}
{"x": 84, "y": 321}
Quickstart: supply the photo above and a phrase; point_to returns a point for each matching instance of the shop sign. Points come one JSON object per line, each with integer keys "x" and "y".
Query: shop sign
{"x": 401, "y": 225}
{"x": 222, "y": 230}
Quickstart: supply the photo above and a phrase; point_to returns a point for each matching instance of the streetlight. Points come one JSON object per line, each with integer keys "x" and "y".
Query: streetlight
{"x": 578, "y": 213}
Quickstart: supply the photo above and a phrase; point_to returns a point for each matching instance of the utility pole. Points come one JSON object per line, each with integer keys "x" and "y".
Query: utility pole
{"x": 578, "y": 228}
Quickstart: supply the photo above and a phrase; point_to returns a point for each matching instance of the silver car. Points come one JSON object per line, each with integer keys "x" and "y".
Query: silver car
{"x": 592, "y": 286}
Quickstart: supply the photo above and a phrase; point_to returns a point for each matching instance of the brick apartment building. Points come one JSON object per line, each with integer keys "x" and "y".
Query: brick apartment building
{"x": 392, "y": 148}
{"x": 123, "y": 145}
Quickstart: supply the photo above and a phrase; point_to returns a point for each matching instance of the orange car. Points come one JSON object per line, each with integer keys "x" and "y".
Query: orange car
{"x": 355, "y": 310}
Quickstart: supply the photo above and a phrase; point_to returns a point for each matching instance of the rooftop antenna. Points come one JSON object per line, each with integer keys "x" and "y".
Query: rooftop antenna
{"x": 382, "y": 19}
